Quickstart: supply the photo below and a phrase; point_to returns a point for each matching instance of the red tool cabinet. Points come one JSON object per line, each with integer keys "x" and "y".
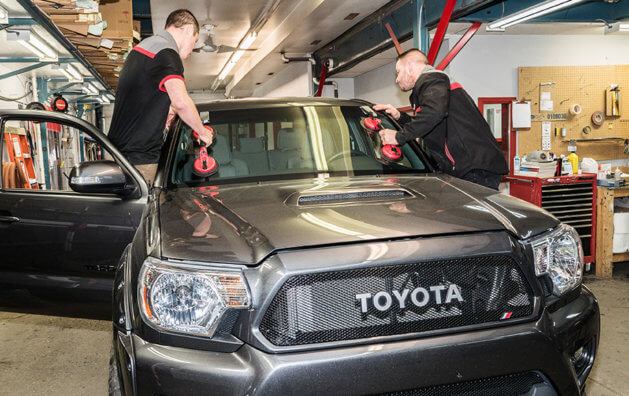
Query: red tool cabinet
{"x": 571, "y": 199}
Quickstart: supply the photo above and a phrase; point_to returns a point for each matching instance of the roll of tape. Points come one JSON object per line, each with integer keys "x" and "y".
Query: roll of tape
{"x": 598, "y": 118}
{"x": 575, "y": 109}
{"x": 587, "y": 129}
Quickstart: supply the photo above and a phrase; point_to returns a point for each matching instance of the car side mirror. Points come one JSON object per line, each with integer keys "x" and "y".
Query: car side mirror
{"x": 98, "y": 177}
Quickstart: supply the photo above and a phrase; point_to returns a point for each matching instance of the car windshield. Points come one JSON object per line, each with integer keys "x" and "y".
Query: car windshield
{"x": 289, "y": 142}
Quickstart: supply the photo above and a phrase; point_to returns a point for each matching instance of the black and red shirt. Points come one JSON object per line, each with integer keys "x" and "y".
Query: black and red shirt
{"x": 451, "y": 126}
{"x": 142, "y": 102}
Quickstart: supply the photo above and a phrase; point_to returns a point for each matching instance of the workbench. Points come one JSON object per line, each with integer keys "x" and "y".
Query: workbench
{"x": 605, "y": 256}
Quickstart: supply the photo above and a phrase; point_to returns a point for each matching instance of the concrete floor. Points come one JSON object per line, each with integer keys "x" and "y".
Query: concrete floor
{"x": 63, "y": 348}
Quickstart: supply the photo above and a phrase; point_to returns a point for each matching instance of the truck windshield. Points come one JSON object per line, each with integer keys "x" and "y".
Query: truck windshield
{"x": 291, "y": 142}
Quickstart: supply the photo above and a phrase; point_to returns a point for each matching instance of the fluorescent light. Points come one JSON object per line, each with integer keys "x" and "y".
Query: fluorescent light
{"x": 617, "y": 27}
{"x": 32, "y": 48}
{"x": 43, "y": 47}
{"x": 110, "y": 97}
{"x": 228, "y": 67}
{"x": 237, "y": 55}
{"x": 33, "y": 43}
{"x": 69, "y": 76}
{"x": 89, "y": 88}
{"x": 246, "y": 43}
{"x": 72, "y": 74}
{"x": 75, "y": 73}
{"x": 104, "y": 99}
{"x": 535, "y": 11}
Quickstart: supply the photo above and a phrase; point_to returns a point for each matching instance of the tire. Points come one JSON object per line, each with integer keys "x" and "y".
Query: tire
{"x": 114, "y": 378}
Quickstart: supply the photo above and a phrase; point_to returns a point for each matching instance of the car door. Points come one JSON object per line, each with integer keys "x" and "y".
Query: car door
{"x": 51, "y": 236}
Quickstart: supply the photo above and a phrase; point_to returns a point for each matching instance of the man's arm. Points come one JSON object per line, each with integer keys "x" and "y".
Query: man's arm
{"x": 185, "y": 108}
{"x": 433, "y": 108}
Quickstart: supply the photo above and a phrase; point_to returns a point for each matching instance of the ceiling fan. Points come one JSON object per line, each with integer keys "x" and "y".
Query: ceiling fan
{"x": 209, "y": 46}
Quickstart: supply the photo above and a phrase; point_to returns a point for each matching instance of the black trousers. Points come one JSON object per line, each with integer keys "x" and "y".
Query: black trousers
{"x": 483, "y": 177}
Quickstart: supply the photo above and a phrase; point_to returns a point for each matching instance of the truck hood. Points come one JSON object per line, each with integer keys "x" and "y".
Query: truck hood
{"x": 244, "y": 223}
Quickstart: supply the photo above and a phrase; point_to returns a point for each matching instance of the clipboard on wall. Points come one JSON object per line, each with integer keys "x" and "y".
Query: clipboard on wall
{"x": 521, "y": 115}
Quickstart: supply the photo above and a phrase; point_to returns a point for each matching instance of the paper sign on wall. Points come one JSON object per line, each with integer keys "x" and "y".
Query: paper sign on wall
{"x": 545, "y": 102}
{"x": 545, "y": 136}
{"x": 521, "y": 114}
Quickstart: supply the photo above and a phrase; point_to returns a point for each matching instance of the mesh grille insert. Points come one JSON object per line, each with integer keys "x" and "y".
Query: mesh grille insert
{"x": 396, "y": 299}
{"x": 513, "y": 384}
{"x": 323, "y": 198}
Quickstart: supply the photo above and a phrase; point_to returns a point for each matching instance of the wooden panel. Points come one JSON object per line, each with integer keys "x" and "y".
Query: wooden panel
{"x": 604, "y": 232}
{"x": 583, "y": 85}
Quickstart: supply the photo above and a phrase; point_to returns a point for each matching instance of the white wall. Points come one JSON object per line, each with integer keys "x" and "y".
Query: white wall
{"x": 345, "y": 91}
{"x": 293, "y": 80}
{"x": 379, "y": 86}
{"x": 12, "y": 87}
{"x": 488, "y": 65}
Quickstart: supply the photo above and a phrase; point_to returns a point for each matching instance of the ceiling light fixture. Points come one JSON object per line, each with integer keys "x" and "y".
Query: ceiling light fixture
{"x": 33, "y": 43}
{"x": 535, "y": 11}
{"x": 617, "y": 27}
{"x": 249, "y": 40}
{"x": 72, "y": 74}
{"x": 4, "y": 16}
{"x": 90, "y": 89}
{"x": 244, "y": 45}
{"x": 37, "y": 42}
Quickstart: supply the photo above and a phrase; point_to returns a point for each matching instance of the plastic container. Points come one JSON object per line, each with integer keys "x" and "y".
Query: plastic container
{"x": 516, "y": 165}
{"x": 573, "y": 158}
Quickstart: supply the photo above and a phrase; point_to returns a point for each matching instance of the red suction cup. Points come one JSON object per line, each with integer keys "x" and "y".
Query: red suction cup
{"x": 391, "y": 152}
{"x": 204, "y": 165}
{"x": 375, "y": 124}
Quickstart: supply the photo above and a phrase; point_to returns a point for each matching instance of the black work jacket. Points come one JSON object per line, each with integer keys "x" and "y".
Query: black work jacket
{"x": 451, "y": 126}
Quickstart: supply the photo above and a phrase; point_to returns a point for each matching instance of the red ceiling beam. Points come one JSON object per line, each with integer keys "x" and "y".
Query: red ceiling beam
{"x": 395, "y": 42}
{"x": 441, "y": 31}
{"x": 459, "y": 45}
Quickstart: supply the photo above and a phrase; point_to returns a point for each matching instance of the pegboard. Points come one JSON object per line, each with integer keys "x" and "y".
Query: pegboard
{"x": 583, "y": 85}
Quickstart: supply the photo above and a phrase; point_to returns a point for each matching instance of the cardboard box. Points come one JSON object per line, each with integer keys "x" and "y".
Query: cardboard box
{"x": 119, "y": 17}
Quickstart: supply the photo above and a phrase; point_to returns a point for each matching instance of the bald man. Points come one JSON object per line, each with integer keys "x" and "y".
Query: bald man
{"x": 447, "y": 120}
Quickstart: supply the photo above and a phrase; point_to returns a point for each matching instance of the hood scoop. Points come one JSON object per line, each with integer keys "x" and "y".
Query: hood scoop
{"x": 332, "y": 197}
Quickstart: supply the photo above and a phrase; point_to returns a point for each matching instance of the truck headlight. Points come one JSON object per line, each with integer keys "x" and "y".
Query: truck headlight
{"x": 560, "y": 255}
{"x": 188, "y": 299}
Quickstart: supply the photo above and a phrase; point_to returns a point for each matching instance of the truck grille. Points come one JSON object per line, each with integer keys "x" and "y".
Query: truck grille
{"x": 442, "y": 294}
{"x": 506, "y": 385}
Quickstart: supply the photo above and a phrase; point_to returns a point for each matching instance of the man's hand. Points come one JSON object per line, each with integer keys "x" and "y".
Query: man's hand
{"x": 389, "y": 109}
{"x": 387, "y": 136}
{"x": 206, "y": 136}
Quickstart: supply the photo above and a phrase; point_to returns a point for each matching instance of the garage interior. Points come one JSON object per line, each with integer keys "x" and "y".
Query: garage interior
{"x": 556, "y": 82}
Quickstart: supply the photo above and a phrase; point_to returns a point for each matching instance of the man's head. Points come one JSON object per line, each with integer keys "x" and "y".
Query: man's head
{"x": 184, "y": 28}
{"x": 408, "y": 67}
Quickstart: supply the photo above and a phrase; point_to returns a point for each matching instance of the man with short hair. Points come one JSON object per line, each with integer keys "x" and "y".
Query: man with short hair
{"x": 448, "y": 121}
{"x": 151, "y": 81}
